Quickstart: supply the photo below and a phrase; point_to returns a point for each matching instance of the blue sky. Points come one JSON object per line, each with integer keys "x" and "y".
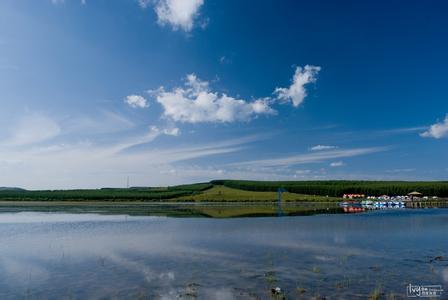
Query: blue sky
{"x": 176, "y": 91}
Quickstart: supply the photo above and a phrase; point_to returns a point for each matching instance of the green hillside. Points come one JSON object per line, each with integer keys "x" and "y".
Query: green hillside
{"x": 220, "y": 193}
{"x": 107, "y": 194}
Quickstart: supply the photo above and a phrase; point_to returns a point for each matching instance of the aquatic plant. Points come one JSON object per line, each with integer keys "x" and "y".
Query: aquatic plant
{"x": 376, "y": 294}
{"x": 270, "y": 277}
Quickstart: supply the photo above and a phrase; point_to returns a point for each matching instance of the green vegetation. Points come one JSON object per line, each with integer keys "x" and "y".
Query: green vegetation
{"x": 376, "y": 294}
{"x": 336, "y": 188}
{"x": 233, "y": 191}
{"x": 106, "y": 194}
{"x": 220, "y": 193}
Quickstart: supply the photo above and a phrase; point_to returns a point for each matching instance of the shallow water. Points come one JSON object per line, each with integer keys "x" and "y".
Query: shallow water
{"x": 344, "y": 256}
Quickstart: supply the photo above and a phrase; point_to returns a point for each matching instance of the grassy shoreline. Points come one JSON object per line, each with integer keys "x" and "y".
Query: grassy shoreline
{"x": 216, "y": 193}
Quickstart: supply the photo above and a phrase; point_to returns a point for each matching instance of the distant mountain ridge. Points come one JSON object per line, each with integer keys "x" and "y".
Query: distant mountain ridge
{"x": 5, "y": 188}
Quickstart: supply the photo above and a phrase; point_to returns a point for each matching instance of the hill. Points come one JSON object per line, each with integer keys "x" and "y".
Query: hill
{"x": 5, "y": 188}
{"x": 221, "y": 193}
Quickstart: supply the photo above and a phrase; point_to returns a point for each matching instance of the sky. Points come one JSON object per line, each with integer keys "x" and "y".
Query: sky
{"x": 164, "y": 92}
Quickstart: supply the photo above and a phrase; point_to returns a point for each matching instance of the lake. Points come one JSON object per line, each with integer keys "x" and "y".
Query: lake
{"x": 54, "y": 255}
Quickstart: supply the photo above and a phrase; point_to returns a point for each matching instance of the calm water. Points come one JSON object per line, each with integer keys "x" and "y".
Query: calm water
{"x": 90, "y": 256}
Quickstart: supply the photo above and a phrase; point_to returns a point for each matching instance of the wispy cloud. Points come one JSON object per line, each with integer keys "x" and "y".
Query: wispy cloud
{"x": 153, "y": 133}
{"x": 31, "y": 129}
{"x": 336, "y": 164}
{"x": 322, "y": 147}
{"x": 145, "y": 3}
{"x": 83, "y": 2}
{"x": 314, "y": 157}
{"x": 98, "y": 122}
{"x": 87, "y": 163}
{"x": 224, "y": 60}
{"x": 401, "y": 170}
{"x": 403, "y": 130}
{"x": 438, "y": 130}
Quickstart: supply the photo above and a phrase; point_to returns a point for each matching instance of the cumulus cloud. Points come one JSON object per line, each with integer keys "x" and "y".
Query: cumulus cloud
{"x": 296, "y": 92}
{"x": 179, "y": 14}
{"x": 322, "y": 147}
{"x": 195, "y": 103}
{"x": 337, "y": 164}
{"x": 136, "y": 101}
{"x": 438, "y": 130}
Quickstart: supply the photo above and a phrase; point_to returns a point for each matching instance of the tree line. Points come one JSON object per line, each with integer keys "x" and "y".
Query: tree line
{"x": 106, "y": 194}
{"x": 337, "y": 188}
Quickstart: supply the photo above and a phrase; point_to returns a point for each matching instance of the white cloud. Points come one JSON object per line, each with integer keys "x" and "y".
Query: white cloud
{"x": 313, "y": 157}
{"x": 195, "y": 103}
{"x": 92, "y": 165}
{"x": 401, "y": 170}
{"x": 302, "y": 172}
{"x": 136, "y": 101}
{"x": 102, "y": 122}
{"x": 31, "y": 129}
{"x": 337, "y": 164}
{"x": 296, "y": 92}
{"x": 180, "y": 14}
{"x": 83, "y": 2}
{"x": 145, "y": 3}
{"x": 174, "y": 131}
{"x": 154, "y": 132}
{"x": 322, "y": 147}
{"x": 224, "y": 60}
{"x": 438, "y": 130}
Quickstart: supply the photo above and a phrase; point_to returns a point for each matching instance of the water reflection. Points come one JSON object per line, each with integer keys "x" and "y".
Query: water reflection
{"x": 89, "y": 256}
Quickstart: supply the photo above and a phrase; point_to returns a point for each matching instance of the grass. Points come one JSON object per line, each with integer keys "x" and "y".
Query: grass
{"x": 220, "y": 193}
{"x": 203, "y": 192}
